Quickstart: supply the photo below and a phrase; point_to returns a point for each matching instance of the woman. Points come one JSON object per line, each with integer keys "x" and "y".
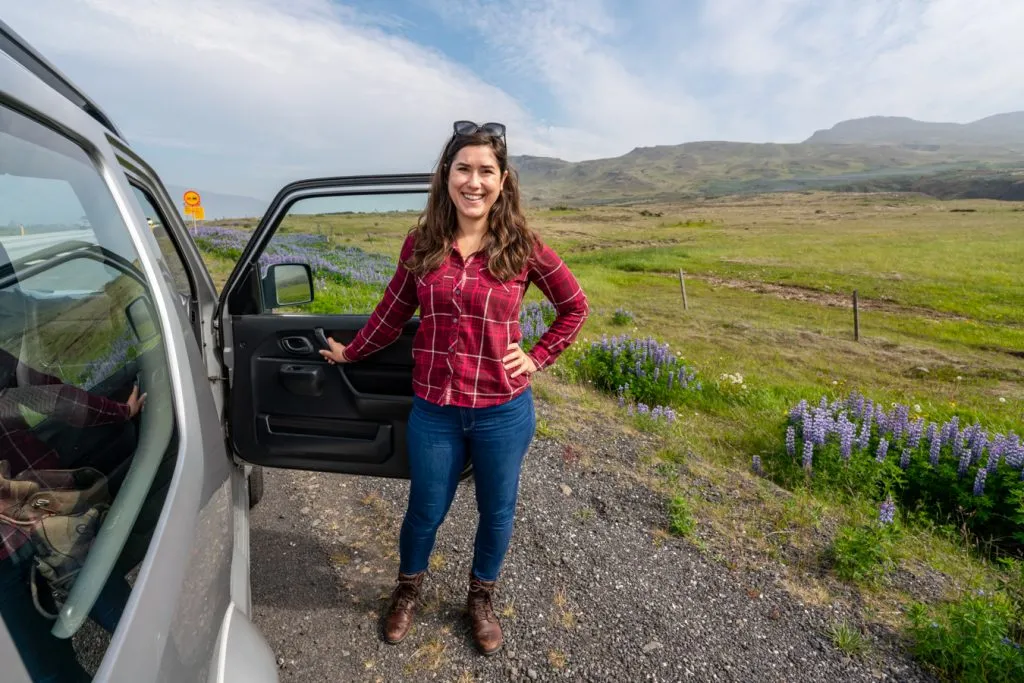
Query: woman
{"x": 466, "y": 265}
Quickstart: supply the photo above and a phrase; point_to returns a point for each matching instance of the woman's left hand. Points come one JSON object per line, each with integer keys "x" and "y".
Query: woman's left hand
{"x": 519, "y": 361}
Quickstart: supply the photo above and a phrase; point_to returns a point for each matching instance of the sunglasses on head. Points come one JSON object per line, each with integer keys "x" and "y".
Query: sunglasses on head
{"x": 496, "y": 130}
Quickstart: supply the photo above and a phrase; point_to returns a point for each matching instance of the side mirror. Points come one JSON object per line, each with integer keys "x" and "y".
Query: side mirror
{"x": 287, "y": 284}
{"x": 140, "y": 317}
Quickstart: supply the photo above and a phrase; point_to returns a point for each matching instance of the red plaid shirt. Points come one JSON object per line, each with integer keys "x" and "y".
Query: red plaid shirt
{"x": 48, "y": 396}
{"x": 468, "y": 318}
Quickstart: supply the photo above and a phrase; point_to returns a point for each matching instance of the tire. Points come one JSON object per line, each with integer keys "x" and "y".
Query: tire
{"x": 255, "y": 486}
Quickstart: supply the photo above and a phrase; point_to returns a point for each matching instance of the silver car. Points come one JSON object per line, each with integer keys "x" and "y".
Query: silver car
{"x": 124, "y": 548}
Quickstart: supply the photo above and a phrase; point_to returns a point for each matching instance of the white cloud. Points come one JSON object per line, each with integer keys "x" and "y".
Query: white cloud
{"x": 806, "y": 65}
{"x": 269, "y": 90}
{"x": 244, "y": 95}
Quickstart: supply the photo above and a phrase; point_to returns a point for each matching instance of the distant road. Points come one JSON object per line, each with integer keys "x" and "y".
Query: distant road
{"x": 18, "y": 246}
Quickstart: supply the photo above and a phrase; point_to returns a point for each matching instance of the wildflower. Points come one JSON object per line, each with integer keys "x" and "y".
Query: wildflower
{"x": 883, "y": 450}
{"x": 791, "y": 441}
{"x": 905, "y": 459}
{"x": 979, "y": 481}
{"x": 887, "y": 511}
{"x": 758, "y": 470}
{"x": 1002, "y": 399}
{"x": 808, "y": 456}
{"x": 917, "y": 407}
{"x": 934, "y": 450}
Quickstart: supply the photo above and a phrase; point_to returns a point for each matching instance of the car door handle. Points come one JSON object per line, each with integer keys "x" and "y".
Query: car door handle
{"x": 298, "y": 346}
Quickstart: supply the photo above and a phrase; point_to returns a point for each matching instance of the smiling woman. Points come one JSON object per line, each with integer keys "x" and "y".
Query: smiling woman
{"x": 467, "y": 265}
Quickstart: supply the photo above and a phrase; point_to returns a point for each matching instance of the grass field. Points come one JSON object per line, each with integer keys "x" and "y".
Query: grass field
{"x": 769, "y": 281}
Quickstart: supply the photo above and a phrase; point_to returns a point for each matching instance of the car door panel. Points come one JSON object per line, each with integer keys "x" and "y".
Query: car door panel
{"x": 290, "y": 408}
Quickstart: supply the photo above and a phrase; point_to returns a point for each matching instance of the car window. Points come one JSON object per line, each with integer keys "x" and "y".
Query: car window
{"x": 178, "y": 272}
{"x": 347, "y": 241}
{"x": 78, "y": 334}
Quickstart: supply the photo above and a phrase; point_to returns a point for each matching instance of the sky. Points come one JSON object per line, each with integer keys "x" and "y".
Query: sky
{"x": 243, "y": 96}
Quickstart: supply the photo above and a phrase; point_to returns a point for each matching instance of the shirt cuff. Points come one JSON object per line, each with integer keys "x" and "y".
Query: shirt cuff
{"x": 541, "y": 357}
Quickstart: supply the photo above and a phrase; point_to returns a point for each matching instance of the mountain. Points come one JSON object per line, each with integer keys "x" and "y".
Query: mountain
{"x": 217, "y": 205}
{"x": 851, "y": 152}
{"x": 1000, "y": 130}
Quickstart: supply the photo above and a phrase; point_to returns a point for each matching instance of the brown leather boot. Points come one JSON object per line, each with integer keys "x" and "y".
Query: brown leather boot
{"x": 485, "y": 626}
{"x": 403, "y": 607}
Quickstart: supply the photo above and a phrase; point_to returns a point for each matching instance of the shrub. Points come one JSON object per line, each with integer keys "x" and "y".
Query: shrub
{"x": 962, "y": 473}
{"x": 969, "y": 639}
{"x": 622, "y": 317}
{"x": 680, "y": 518}
{"x": 864, "y": 552}
{"x": 637, "y": 370}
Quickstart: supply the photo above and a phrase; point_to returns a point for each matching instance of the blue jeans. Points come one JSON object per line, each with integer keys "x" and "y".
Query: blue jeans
{"x": 441, "y": 439}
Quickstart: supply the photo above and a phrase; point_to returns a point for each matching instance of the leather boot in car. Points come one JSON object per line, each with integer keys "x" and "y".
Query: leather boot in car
{"x": 486, "y": 629}
{"x": 403, "y": 607}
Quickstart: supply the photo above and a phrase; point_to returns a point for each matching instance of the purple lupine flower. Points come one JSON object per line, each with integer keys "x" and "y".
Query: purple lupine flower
{"x": 883, "y": 449}
{"x": 995, "y": 453}
{"x": 670, "y": 415}
{"x": 643, "y": 409}
{"x": 887, "y": 511}
{"x": 932, "y": 433}
{"x": 797, "y": 413}
{"x": 808, "y": 456}
{"x": 758, "y": 470}
{"x": 934, "y": 450}
{"x": 791, "y": 441}
{"x": 965, "y": 463}
{"x": 979, "y": 481}
{"x": 953, "y": 427}
{"x": 979, "y": 442}
{"x": 846, "y": 434}
{"x": 1013, "y": 452}
{"x": 915, "y": 433}
{"x": 958, "y": 445}
{"x": 882, "y": 420}
{"x": 905, "y": 459}
{"x": 820, "y": 429}
{"x": 865, "y": 431}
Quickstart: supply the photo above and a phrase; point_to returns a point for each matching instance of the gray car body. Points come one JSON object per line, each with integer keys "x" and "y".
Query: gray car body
{"x": 188, "y": 618}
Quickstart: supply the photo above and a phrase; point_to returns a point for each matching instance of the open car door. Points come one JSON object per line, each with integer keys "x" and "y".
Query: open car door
{"x": 316, "y": 264}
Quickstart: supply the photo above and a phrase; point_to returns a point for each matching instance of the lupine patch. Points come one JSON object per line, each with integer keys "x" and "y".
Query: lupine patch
{"x": 961, "y": 471}
{"x": 645, "y": 370}
{"x": 346, "y": 265}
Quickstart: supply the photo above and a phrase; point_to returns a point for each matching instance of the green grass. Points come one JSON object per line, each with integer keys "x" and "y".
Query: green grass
{"x": 768, "y": 281}
{"x": 848, "y": 639}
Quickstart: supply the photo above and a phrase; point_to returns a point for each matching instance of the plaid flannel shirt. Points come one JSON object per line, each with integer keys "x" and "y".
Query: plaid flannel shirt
{"x": 468, "y": 318}
{"x": 51, "y": 398}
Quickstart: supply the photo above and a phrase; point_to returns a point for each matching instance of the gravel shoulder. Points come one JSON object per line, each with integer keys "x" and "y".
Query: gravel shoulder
{"x": 592, "y": 589}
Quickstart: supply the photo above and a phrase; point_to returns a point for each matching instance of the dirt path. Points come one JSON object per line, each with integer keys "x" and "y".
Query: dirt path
{"x": 592, "y": 589}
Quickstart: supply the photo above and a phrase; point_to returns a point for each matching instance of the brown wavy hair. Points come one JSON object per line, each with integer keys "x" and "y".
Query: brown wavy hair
{"x": 509, "y": 242}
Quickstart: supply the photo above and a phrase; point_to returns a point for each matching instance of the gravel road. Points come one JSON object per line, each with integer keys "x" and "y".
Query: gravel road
{"x": 591, "y": 590}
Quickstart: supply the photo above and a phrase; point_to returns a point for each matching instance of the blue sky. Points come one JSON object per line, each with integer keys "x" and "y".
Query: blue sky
{"x": 242, "y": 96}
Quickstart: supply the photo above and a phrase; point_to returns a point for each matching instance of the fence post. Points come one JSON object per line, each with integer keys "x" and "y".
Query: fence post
{"x": 856, "y": 318}
{"x": 682, "y": 286}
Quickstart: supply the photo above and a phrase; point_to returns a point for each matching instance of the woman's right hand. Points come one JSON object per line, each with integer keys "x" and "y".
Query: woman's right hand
{"x": 335, "y": 354}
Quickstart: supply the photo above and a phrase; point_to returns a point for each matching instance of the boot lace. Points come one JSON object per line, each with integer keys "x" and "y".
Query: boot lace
{"x": 480, "y": 606}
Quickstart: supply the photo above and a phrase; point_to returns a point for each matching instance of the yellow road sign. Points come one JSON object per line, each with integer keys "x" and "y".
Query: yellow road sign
{"x": 189, "y": 210}
{"x": 192, "y": 198}
{"x": 199, "y": 213}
